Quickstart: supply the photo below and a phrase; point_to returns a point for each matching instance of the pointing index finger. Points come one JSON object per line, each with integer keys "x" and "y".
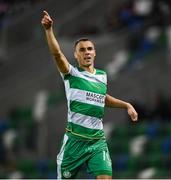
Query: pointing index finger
{"x": 45, "y": 13}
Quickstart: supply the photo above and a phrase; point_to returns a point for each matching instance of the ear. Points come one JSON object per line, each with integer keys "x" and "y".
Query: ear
{"x": 94, "y": 53}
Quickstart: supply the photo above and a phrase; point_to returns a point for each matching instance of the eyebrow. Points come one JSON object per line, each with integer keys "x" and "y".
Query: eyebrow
{"x": 83, "y": 48}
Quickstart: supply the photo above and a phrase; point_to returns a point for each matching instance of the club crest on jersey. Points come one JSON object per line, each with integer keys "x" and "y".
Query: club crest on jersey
{"x": 66, "y": 174}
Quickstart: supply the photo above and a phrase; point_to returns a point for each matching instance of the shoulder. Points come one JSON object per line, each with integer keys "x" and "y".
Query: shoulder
{"x": 101, "y": 75}
{"x": 100, "y": 72}
{"x": 73, "y": 71}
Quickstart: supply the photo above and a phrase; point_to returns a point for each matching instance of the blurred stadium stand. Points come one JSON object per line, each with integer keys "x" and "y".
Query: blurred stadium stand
{"x": 131, "y": 46}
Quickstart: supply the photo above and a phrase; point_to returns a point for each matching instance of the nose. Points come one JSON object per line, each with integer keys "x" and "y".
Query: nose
{"x": 87, "y": 51}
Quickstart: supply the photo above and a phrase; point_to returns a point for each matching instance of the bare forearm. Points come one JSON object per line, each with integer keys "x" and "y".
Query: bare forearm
{"x": 55, "y": 50}
{"x": 115, "y": 103}
{"x": 52, "y": 43}
{"x": 60, "y": 59}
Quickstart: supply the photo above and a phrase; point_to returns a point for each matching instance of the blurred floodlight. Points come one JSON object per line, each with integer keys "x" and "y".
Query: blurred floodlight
{"x": 142, "y": 7}
{"x": 147, "y": 173}
{"x": 137, "y": 145}
{"x": 40, "y": 105}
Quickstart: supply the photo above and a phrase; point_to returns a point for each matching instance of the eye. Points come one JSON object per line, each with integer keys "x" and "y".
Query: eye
{"x": 82, "y": 49}
{"x": 90, "y": 48}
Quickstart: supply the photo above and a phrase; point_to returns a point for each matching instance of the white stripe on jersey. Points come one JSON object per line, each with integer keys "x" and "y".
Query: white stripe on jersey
{"x": 88, "y": 76}
{"x": 86, "y": 121}
{"x": 85, "y": 97}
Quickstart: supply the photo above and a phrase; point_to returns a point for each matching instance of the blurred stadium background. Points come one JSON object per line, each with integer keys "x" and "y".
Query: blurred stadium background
{"x": 133, "y": 42}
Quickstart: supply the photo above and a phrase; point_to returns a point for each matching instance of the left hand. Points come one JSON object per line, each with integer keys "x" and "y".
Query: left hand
{"x": 132, "y": 113}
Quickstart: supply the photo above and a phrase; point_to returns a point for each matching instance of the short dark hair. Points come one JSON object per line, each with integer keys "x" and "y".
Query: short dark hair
{"x": 81, "y": 39}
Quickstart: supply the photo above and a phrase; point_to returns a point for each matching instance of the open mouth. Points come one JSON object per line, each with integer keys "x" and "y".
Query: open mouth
{"x": 87, "y": 58}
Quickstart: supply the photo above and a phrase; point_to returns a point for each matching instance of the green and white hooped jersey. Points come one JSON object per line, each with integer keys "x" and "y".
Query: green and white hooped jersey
{"x": 85, "y": 93}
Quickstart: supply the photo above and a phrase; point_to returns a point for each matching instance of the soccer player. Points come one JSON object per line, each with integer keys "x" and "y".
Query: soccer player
{"x": 85, "y": 86}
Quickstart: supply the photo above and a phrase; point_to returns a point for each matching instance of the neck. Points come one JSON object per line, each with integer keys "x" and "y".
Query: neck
{"x": 90, "y": 69}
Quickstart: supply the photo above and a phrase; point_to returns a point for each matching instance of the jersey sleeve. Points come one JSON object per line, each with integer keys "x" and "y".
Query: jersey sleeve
{"x": 105, "y": 78}
{"x": 72, "y": 70}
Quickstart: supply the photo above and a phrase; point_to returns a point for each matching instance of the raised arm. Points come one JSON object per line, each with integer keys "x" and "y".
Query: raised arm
{"x": 61, "y": 61}
{"x": 116, "y": 103}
